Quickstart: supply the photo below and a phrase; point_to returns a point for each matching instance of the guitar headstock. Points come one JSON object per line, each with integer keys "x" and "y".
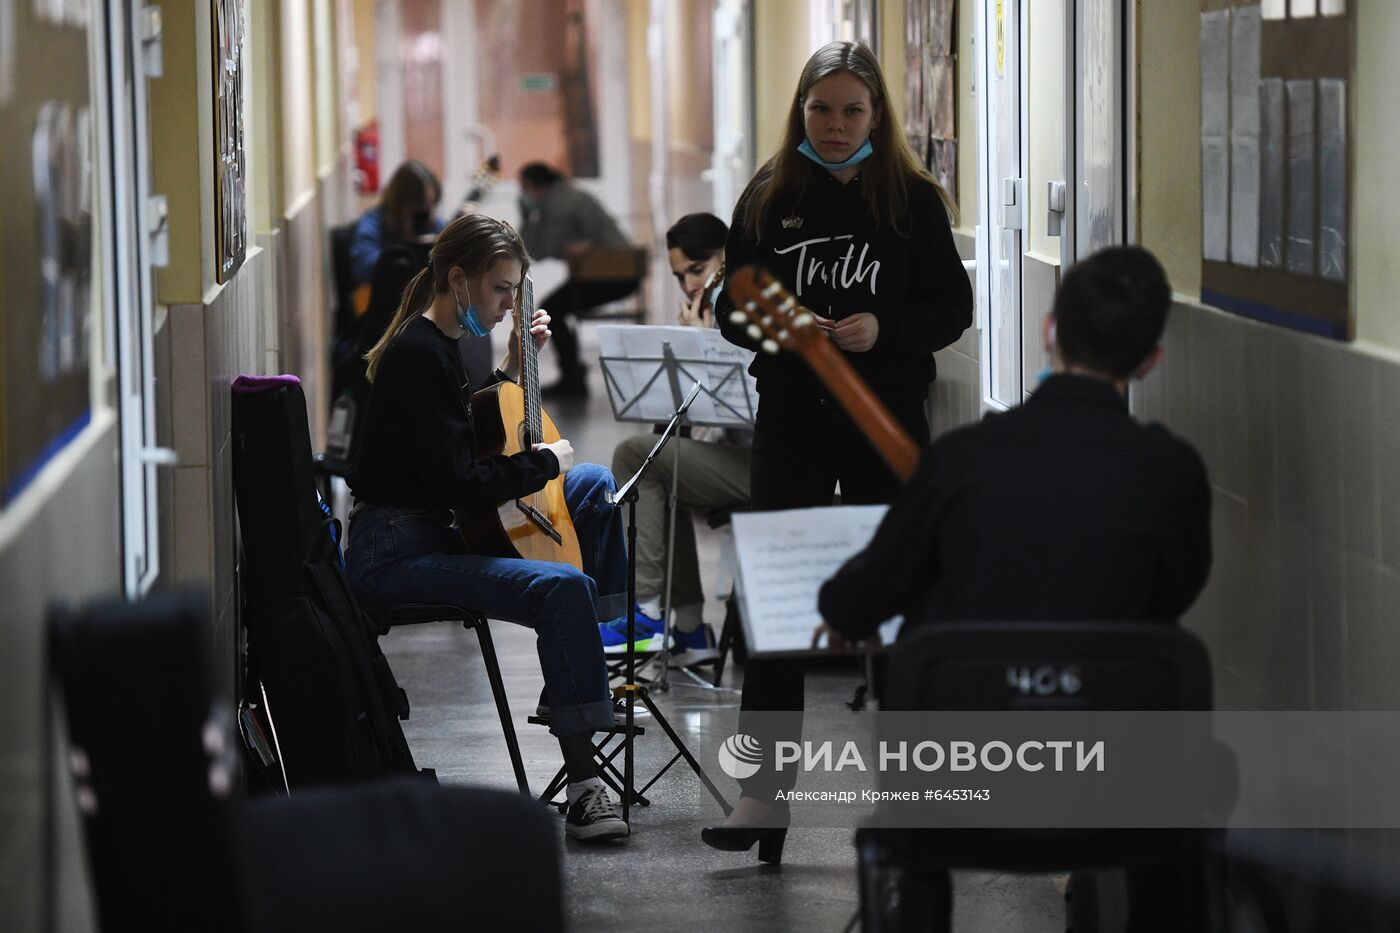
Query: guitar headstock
{"x": 775, "y": 316}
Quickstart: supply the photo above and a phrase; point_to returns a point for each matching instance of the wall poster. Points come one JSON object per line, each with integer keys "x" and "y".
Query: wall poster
{"x": 1275, "y": 164}
{"x": 930, "y": 102}
{"x": 230, "y": 161}
{"x": 47, "y": 185}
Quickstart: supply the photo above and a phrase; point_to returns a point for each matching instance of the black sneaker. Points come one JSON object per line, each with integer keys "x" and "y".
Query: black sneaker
{"x": 639, "y": 711}
{"x": 593, "y": 817}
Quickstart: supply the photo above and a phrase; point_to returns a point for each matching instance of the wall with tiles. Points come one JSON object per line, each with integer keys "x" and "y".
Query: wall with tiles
{"x": 1300, "y": 609}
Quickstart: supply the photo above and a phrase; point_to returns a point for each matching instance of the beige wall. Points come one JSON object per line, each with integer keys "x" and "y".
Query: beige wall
{"x": 365, "y": 78}
{"x": 1375, "y": 198}
{"x": 782, "y": 45}
{"x": 1169, "y": 160}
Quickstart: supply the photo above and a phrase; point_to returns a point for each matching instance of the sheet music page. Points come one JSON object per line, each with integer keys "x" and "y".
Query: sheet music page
{"x": 784, "y": 558}
{"x": 735, "y": 391}
{"x": 633, "y": 360}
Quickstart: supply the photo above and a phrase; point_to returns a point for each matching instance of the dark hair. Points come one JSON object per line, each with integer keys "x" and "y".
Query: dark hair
{"x": 1111, "y": 309}
{"x": 886, "y": 175}
{"x": 698, "y": 236}
{"x": 473, "y": 242}
{"x": 541, "y": 174}
{"x": 412, "y": 187}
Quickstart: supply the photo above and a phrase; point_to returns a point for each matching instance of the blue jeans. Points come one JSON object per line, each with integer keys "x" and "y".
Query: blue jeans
{"x": 413, "y": 555}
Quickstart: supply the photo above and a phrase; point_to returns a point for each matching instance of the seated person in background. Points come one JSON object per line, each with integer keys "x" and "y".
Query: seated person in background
{"x": 1063, "y": 508}
{"x": 418, "y": 463}
{"x": 714, "y": 474}
{"x": 559, "y": 221}
{"x": 404, "y": 214}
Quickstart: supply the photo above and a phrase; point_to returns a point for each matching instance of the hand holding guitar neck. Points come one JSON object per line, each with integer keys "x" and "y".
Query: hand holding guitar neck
{"x": 781, "y": 323}
{"x": 697, "y": 312}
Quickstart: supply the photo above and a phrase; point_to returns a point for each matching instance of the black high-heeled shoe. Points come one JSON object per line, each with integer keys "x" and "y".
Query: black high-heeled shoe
{"x": 770, "y": 840}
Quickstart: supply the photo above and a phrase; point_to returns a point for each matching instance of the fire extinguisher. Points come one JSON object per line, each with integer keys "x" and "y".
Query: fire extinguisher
{"x": 367, "y": 158}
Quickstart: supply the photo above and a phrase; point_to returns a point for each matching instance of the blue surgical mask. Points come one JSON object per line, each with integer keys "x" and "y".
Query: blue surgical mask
{"x": 1044, "y": 374}
{"x": 860, "y": 155}
{"x": 468, "y": 318}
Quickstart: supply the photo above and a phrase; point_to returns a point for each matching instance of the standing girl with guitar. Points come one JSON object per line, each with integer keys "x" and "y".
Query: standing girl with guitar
{"x": 844, "y": 216}
{"x": 421, "y": 461}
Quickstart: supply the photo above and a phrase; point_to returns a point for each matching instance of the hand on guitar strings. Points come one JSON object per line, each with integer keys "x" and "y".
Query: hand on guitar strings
{"x": 836, "y": 644}
{"x": 563, "y": 451}
{"x": 539, "y": 329}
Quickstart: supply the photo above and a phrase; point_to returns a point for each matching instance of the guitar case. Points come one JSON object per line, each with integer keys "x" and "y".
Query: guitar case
{"x": 332, "y": 698}
{"x": 153, "y": 764}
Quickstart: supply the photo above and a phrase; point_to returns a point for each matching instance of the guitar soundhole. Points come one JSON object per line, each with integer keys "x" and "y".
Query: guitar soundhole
{"x": 526, "y": 441}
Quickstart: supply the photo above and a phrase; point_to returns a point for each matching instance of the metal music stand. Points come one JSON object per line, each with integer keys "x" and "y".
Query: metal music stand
{"x": 631, "y": 690}
{"x": 638, "y": 386}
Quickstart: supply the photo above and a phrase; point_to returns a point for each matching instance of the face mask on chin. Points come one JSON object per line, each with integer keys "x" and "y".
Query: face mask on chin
{"x": 858, "y": 157}
{"x": 468, "y": 318}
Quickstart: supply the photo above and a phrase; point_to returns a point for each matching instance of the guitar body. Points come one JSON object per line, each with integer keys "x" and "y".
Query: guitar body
{"x": 514, "y": 528}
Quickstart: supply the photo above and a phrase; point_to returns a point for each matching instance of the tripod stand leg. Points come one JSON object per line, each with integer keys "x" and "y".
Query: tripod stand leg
{"x": 689, "y": 758}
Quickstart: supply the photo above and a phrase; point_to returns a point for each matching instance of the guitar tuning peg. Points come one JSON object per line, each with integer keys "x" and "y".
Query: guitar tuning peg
{"x": 770, "y": 346}
{"x": 737, "y": 317}
{"x": 755, "y": 332}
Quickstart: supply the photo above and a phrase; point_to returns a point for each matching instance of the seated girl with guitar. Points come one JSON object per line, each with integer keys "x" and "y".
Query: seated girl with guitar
{"x": 424, "y": 459}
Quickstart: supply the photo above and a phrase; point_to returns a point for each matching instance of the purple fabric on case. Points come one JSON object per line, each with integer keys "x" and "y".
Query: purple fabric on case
{"x": 251, "y": 385}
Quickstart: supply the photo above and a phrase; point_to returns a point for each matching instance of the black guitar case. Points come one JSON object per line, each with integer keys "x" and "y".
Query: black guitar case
{"x": 332, "y": 697}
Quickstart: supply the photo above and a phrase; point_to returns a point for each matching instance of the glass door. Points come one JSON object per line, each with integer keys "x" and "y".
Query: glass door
{"x": 1002, "y": 189}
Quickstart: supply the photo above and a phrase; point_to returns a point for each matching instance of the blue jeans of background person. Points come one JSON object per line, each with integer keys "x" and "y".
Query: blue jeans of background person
{"x": 413, "y": 555}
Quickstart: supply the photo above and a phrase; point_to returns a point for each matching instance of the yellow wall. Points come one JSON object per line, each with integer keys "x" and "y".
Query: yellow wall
{"x": 176, "y": 101}
{"x": 782, "y": 45}
{"x": 1045, "y": 109}
{"x": 365, "y": 60}
{"x": 1169, "y": 160}
{"x": 264, "y": 127}
{"x": 638, "y": 71}
{"x": 890, "y": 32}
{"x": 298, "y": 111}
{"x": 1375, "y": 200}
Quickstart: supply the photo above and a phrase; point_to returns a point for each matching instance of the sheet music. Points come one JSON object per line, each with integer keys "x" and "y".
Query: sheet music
{"x": 641, "y": 389}
{"x": 784, "y": 558}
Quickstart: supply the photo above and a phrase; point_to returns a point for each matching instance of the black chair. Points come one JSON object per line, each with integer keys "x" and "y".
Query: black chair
{"x": 471, "y": 620}
{"x": 173, "y": 846}
{"x": 964, "y": 666}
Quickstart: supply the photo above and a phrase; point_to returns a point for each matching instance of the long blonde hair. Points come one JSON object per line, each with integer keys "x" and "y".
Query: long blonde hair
{"x": 885, "y": 175}
{"x": 473, "y": 242}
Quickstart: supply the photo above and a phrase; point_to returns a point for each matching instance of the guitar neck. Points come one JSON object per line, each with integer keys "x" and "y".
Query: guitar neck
{"x": 886, "y": 434}
{"x": 529, "y": 364}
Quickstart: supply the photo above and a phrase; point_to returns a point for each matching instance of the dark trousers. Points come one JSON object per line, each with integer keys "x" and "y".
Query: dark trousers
{"x": 570, "y": 300}
{"x": 800, "y": 452}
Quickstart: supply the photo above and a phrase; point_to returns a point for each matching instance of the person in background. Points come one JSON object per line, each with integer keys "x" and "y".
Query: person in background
{"x": 419, "y": 463}
{"x": 848, "y": 220}
{"x": 560, "y": 221}
{"x": 714, "y": 474}
{"x": 404, "y": 215}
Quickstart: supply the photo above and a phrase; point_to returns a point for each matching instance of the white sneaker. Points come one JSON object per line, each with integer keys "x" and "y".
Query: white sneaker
{"x": 593, "y": 817}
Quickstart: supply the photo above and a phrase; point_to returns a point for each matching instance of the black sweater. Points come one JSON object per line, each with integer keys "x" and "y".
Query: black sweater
{"x": 822, "y": 244}
{"x": 1064, "y": 508}
{"x": 418, "y": 444}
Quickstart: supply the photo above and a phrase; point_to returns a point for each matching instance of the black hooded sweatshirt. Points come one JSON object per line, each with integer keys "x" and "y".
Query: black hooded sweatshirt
{"x": 823, "y": 244}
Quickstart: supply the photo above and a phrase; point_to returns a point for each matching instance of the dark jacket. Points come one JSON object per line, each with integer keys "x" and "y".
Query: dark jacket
{"x": 824, "y": 245}
{"x": 1064, "y": 508}
{"x": 418, "y": 446}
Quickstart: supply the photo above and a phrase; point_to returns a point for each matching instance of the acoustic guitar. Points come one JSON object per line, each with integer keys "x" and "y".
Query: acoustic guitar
{"x": 508, "y": 419}
{"x": 781, "y": 323}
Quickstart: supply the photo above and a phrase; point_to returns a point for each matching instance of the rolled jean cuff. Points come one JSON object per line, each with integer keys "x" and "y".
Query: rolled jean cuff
{"x": 611, "y": 606}
{"x": 580, "y": 717}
